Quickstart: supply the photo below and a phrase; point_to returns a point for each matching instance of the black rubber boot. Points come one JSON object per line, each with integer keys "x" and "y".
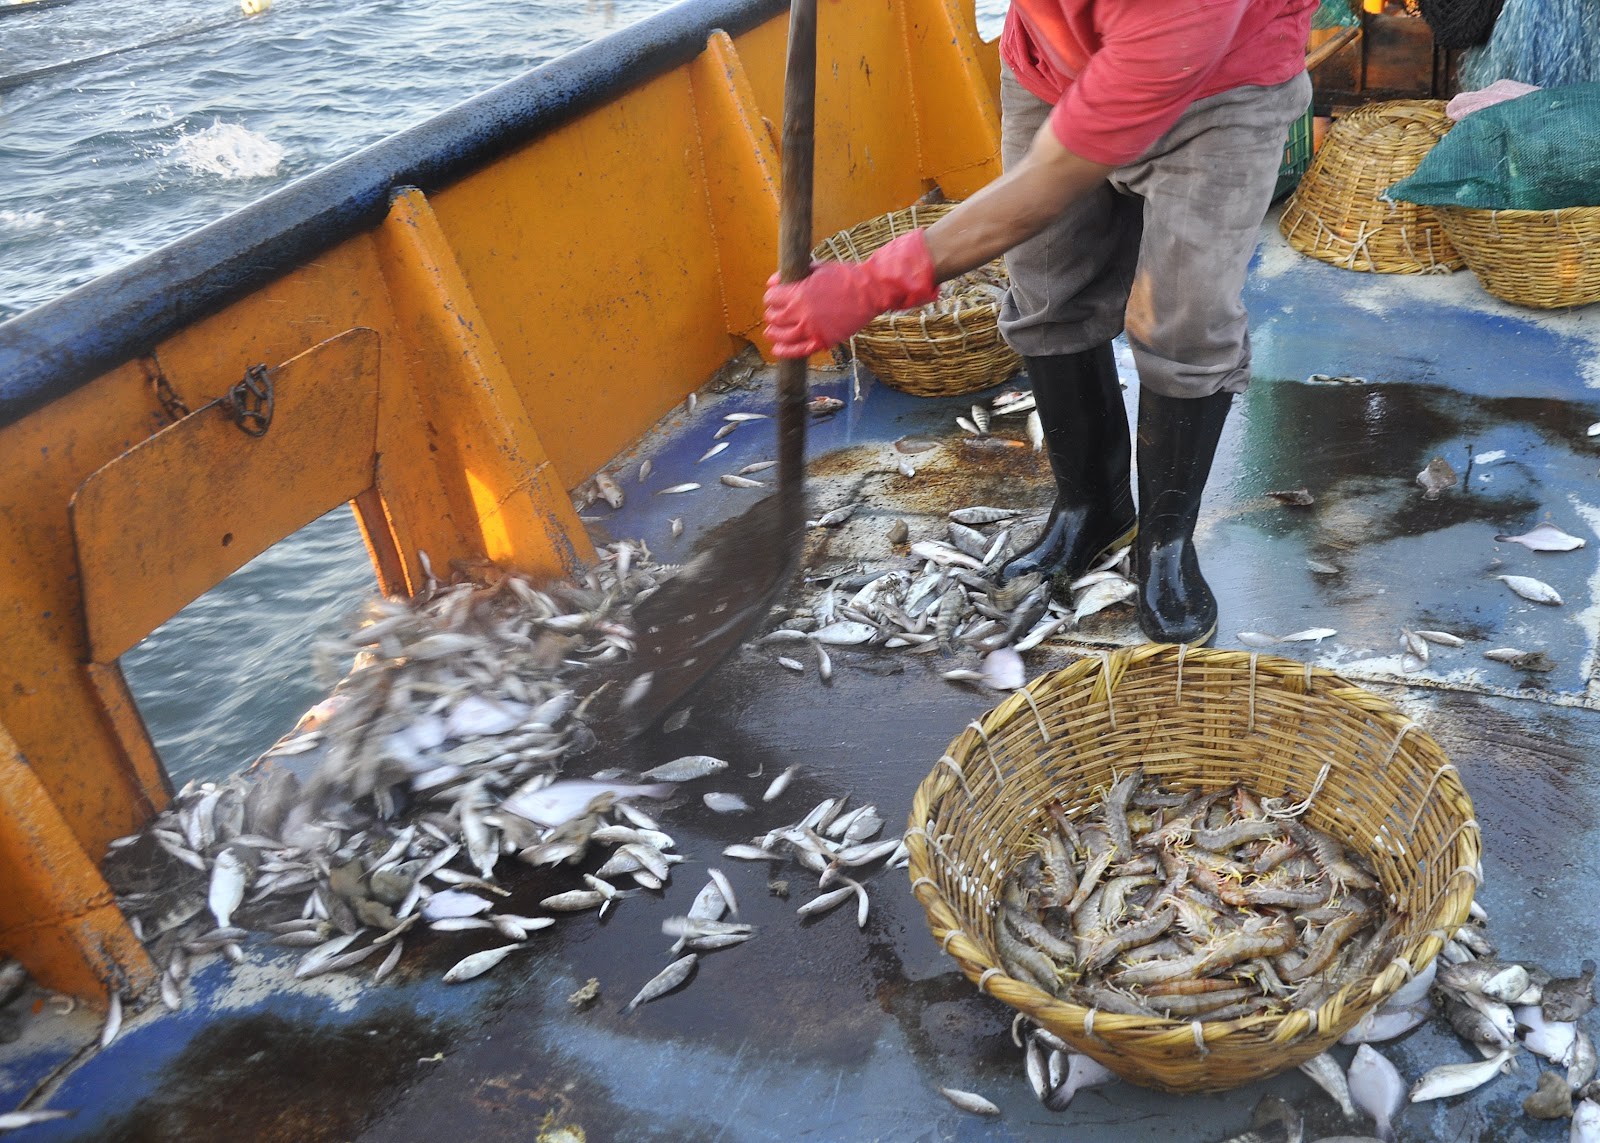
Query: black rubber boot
{"x": 1177, "y": 443}
{"x": 1086, "y": 437}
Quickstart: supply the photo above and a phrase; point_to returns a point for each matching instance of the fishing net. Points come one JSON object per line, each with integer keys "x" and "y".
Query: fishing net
{"x": 1334, "y": 14}
{"x": 1461, "y": 23}
{"x": 1538, "y": 152}
{"x": 1547, "y": 43}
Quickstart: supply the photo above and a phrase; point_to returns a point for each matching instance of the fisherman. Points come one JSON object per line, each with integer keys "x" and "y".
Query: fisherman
{"x": 1141, "y": 142}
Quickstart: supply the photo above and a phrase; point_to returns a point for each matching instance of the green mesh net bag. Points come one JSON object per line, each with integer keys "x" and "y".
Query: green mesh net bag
{"x": 1538, "y": 152}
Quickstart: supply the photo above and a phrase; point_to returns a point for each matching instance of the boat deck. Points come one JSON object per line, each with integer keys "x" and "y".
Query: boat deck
{"x": 818, "y": 1030}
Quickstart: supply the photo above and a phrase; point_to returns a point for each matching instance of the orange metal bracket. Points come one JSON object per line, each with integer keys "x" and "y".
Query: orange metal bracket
{"x": 957, "y": 113}
{"x": 176, "y": 514}
{"x": 740, "y": 165}
{"x": 57, "y": 915}
{"x": 485, "y": 446}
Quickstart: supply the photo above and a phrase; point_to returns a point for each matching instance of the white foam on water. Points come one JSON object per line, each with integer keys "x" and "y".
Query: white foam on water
{"x": 230, "y": 150}
{"x": 25, "y": 221}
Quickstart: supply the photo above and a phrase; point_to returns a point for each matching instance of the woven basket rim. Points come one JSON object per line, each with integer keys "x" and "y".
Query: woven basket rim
{"x": 942, "y": 354}
{"x": 1325, "y": 1022}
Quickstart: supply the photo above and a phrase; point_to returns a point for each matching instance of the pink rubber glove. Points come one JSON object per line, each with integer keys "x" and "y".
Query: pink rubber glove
{"x": 839, "y": 298}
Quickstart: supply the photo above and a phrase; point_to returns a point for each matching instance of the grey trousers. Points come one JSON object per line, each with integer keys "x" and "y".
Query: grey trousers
{"x": 1161, "y": 247}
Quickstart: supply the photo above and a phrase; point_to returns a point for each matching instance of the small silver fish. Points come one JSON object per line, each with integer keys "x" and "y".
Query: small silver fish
{"x": 780, "y": 784}
{"x": 741, "y": 418}
{"x": 573, "y": 901}
{"x": 610, "y": 490}
{"x": 1386, "y": 1023}
{"x": 665, "y": 981}
{"x": 479, "y": 963}
{"x": 644, "y": 470}
{"x": 676, "y": 524}
{"x": 980, "y": 418}
{"x": 1310, "y": 635}
{"x": 833, "y": 518}
{"x": 845, "y": 633}
{"x": 1376, "y": 1088}
{"x": 967, "y": 426}
{"x": 792, "y": 664}
{"x": 1522, "y": 660}
{"x": 1532, "y": 589}
{"x": 686, "y": 769}
{"x": 824, "y": 664}
{"x": 113, "y": 1023}
{"x": 1326, "y": 1073}
{"x": 1100, "y": 596}
{"x": 969, "y": 1101}
{"x": 689, "y": 487}
{"x": 733, "y": 481}
{"x": 758, "y": 466}
{"x": 825, "y": 902}
{"x": 1442, "y": 638}
{"x": 1035, "y": 431}
{"x": 1454, "y": 1079}
{"x": 713, "y": 451}
{"x": 1544, "y": 538}
{"x": 16, "y": 1120}
{"x": 982, "y": 514}
{"x": 723, "y": 803}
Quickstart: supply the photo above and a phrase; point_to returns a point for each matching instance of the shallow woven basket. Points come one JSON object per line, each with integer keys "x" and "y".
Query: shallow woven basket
{"x": 1200, "y": 719}
{"x": 1547, "y": 259}
{"x": 1336, "y": 213}
{"x": 926, "y": 355}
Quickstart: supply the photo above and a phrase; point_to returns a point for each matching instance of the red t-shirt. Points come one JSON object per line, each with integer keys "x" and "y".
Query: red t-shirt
{"x": 1121, "y": 72}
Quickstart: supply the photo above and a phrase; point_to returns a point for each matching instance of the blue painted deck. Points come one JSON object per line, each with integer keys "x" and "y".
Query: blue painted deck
{"x": 819, "y": 1031}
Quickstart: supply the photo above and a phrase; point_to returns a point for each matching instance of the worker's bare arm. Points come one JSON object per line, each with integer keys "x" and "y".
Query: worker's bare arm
{"x": 1013, "y": 208}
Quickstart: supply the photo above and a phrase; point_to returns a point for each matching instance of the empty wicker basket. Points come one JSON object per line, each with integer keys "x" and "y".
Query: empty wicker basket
{"x": 1337, "y": 215}
{"x": 946, "y": 353}
{"x": 1202, "y": 719}
{"x": 1547, "y": 259}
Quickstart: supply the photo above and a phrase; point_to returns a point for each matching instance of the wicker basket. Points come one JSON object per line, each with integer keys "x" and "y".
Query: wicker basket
{"x": 1203, "y": 719}
{"x": 1547, "y": 259}
{"x": 1337, "y": 215}
{"x": 926, "y": 355}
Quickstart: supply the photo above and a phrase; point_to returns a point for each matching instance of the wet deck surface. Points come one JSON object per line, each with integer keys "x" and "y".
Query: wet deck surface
{"x": 815, "y": 1030}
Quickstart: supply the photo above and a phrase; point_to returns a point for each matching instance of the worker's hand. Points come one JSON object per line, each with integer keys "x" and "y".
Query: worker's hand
{"x": 838, "y": 298}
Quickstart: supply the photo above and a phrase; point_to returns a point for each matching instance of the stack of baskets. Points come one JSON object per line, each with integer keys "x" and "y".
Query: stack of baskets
{"x": 1547, "y": 259}
{"x": 933, "y": 352}
{"x": 1338, "y": 214}
{"x": 1206, "y": 720}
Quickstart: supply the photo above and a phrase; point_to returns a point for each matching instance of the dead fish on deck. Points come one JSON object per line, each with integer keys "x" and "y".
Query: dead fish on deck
{"x": 1442, "y": 638}
{"x": 821, "y": 405}
{"x": 686, "y": 769}
{"x": 722, "y": 803}
{"x": 479, "y": 963}
{"x": 1522, "y": 660}
{"x": 676, "y": 488}
{"x": 1377, "y": 1089}
{"x": 610, "y": 490}
{"x": 665, "y": 981}
{"x": 571, "y": 798}
{"x": 1310, "y": 635}
{"x": 16, "y": 1120}
{"x": 1455, "y": 1079}
{"x": 981, "y": 514}
{"x": 1326, "y": 1073}
{"x": 1293, "y": 497}
{"x": 1531, "y": 589}
{"x": 712, "y": 451}
{"x": 1107, "y": 593}
{"x": 969, "y": 1101}
{"x": 1437, "y": 477}
{"x": 833, "y": 518}
{"x": 1544, "y": 538}
{"x": 733, "y": 481}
